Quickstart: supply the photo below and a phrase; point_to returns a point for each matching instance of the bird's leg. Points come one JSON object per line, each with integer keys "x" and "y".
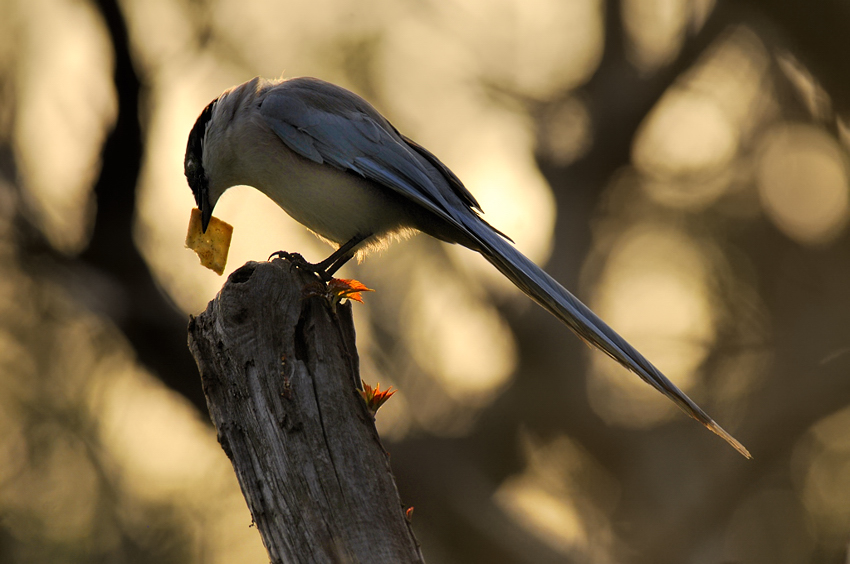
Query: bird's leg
{"x": 342, "y": 255}
{"x": 325, "y": 269}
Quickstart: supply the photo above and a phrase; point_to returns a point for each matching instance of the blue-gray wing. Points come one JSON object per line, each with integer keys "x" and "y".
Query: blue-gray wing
{"x": 330, "y": 125}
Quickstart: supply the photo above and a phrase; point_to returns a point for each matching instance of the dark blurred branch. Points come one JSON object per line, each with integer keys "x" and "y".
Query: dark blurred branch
{"x": 154, "y": 327}
{"x": 817, "y": 34}
{"x": 278, "y": 369}
{"x": 618, "y": 98}
{"x": 110, "y": 276}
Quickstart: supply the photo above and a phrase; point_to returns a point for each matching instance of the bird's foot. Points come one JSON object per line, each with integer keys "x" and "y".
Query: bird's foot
{"x": 300, "y": 262}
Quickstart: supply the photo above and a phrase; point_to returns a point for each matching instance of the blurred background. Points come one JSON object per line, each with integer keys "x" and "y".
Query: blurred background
{"x": 681, "y": 165}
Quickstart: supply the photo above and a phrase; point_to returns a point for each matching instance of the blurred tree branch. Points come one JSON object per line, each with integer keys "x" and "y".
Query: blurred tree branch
{"x": 816, "y": 32}
{"x": 151, "y": 323}
{"x": 110, "y": 276}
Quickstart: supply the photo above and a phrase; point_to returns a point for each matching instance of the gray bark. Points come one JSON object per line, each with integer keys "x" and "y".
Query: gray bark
{"x": 278, "y": 367}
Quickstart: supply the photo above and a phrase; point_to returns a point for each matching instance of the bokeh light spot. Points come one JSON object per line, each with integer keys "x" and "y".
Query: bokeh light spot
{"x": 803, "y": 183}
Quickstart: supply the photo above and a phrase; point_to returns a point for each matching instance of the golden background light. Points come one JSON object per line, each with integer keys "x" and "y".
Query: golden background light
{"x": 803, "y": 183}
{"x": 734, "y": 152}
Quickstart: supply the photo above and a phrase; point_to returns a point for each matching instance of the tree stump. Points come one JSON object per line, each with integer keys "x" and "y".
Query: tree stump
{"x": 278, "y": 365}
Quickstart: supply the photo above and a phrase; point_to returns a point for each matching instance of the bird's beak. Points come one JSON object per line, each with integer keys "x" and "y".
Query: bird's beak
{"x": 205, "y": 207}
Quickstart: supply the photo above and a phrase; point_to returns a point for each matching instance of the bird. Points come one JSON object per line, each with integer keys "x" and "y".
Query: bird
{"x": 337, "y": 166}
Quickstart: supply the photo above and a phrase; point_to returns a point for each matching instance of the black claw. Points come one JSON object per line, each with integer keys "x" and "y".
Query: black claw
{"x": 299, "y": 261}
{"x": 279, "y": 254}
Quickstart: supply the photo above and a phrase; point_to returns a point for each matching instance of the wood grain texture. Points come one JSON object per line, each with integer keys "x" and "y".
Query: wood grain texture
{"x": 278, "y": 366}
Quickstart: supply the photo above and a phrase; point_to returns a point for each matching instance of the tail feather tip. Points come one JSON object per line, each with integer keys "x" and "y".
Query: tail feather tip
{"x": 719, "y": 431}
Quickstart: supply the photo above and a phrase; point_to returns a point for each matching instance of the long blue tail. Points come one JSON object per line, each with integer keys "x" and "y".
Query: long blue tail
{"x": 556, "y": 299}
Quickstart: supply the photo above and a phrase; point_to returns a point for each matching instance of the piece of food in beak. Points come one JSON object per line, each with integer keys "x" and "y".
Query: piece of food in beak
{"x": 212, "y": 246}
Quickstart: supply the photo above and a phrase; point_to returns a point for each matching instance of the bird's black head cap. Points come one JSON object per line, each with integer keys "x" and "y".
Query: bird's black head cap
{"x": 193, "y": 165}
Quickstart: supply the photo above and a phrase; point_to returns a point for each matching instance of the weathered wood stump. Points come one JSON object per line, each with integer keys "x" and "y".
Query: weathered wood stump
{"x": 278, "y": 364}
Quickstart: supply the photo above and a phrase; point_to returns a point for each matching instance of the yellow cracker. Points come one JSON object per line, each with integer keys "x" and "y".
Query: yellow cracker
{"x": 212, "y": 246}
